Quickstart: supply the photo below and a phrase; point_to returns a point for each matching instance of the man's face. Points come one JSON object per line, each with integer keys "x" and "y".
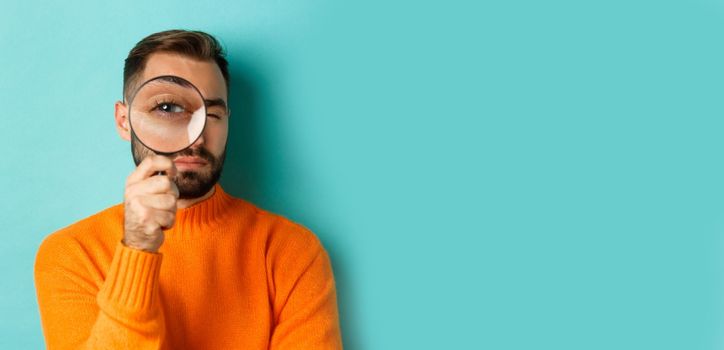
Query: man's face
{"x": 199, "y": 167}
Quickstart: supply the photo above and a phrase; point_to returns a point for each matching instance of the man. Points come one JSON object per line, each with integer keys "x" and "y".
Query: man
{"x": 181, "y": 264}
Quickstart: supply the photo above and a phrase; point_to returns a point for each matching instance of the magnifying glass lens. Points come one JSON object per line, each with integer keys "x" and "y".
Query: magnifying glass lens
{"x": 167, "y": 114}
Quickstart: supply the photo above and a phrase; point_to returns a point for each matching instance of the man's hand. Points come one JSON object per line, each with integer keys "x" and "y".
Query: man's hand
{"x": 150, "y": 203}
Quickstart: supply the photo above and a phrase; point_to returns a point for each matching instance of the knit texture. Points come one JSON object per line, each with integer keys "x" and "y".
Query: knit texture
{"x": 229, "y": 275}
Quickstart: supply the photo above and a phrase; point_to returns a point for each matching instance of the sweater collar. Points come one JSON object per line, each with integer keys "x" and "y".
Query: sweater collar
{"x": 202, "y": 215}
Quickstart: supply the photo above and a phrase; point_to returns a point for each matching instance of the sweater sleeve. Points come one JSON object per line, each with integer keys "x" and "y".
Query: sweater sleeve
{"x": 305, "y": 300}
{"x": 80, "y": 310}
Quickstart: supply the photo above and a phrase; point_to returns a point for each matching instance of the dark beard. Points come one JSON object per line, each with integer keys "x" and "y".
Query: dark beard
{"x": 191, "y": 184}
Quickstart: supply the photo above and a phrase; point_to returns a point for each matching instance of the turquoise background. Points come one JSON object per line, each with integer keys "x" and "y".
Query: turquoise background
{"x": 485, "y": 175}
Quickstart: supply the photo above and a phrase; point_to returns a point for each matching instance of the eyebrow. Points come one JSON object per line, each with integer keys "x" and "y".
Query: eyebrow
{"x": 175, "y": 80}
{"x": 215, "y": 102}
{"x": 208, "y": 102}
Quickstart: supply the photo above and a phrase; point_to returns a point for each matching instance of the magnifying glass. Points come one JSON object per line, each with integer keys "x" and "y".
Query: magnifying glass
{"x": 167, "y": 114}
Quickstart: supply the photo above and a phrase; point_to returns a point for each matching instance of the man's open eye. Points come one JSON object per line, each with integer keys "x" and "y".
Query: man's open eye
{"x": 169, "y": 107}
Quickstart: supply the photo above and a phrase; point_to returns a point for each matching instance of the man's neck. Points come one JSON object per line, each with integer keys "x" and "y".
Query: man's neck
{"x": 185, "y": 203}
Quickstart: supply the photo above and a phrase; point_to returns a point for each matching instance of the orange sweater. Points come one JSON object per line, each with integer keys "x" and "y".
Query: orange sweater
{"x": 228, "y": 276}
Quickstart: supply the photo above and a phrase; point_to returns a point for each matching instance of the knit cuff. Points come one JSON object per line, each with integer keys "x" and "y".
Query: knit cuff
{"x": 131, "y": 285}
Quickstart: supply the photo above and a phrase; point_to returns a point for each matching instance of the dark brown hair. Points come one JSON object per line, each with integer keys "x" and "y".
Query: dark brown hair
{"x": 194, "y": 44}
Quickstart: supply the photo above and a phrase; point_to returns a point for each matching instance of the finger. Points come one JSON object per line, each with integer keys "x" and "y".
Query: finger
{"x": 165, "y": 202}
{"x": 174, "y": 189}
{"x": 153, "y": 185}
{"x": 150, "y": 166}
{"x": 171, "y": 173}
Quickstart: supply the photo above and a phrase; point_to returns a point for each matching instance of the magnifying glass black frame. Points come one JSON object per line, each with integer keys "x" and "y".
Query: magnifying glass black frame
{"x": 173, "y": 79}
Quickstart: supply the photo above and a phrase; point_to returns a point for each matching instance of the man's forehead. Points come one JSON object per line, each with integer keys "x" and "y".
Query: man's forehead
{"x": 205, "y": 75}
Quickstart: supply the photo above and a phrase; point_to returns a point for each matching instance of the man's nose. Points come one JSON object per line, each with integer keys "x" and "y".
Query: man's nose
{"x": 199, "y": 141}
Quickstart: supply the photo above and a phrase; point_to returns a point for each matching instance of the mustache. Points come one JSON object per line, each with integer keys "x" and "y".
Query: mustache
{"x": 199, "y": 152}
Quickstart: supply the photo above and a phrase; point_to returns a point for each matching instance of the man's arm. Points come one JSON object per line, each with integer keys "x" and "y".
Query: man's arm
{"x": 305, "y": 298}
{"x": 123, "y": 313}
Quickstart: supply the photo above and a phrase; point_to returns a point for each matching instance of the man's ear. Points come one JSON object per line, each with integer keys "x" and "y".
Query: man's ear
{"x": 121, "y": 115}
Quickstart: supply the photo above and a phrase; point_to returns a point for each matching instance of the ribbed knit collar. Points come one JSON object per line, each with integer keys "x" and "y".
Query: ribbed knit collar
{"x": 203, "y": 215}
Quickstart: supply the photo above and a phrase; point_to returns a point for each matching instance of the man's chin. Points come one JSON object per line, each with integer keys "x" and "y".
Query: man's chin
{"x": 194, "y": 184}
{"x": 193, "y": 192}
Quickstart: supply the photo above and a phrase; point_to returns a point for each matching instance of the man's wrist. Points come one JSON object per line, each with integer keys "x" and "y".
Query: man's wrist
{"x": 144, "y": 248}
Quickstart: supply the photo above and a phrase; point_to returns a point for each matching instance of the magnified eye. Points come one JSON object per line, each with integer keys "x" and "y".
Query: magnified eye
{"x": 169, "y": 107}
